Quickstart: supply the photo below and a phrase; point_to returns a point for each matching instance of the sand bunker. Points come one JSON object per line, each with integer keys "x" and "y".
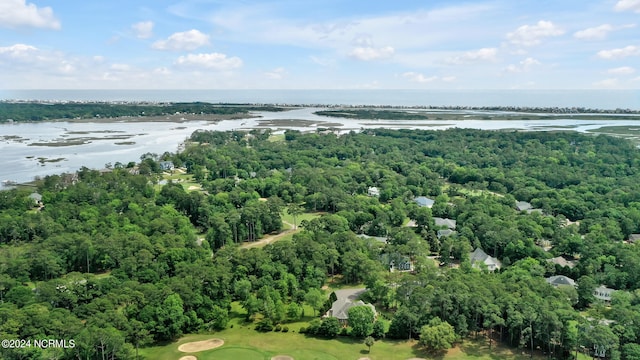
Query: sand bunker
{"x": 189, "y": 357}
{"x": 201, "y": 345}
{"x": 282, "y": 357}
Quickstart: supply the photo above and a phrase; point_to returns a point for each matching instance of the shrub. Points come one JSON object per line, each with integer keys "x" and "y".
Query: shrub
{"x": 278, "y": 328}
{"x": 285, "y": 329}
{"x": 264, "y": 325}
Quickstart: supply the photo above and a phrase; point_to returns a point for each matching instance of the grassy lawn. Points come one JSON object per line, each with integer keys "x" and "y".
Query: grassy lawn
{"x": 304, "y": 216}
{"x": 276, "y": 137}
{"x": 242, "y": 342}
{"x": 186, "y": 180}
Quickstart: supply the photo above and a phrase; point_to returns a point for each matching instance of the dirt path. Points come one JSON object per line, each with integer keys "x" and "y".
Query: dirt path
{"x": 271, "y": 238}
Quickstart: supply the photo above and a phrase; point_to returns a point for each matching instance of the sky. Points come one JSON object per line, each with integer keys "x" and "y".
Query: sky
{"x": 320, "y": 44}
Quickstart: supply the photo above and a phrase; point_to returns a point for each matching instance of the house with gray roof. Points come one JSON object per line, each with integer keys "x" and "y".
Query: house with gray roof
{"x": 526, "y": 206}
{"x": 478, "y": 257}
{"x": 634, "y": 238}
{"x": 166, "y": 165}
{"x": 448, "y": 223}
{"x": 373, "y": 191}
{"x": 603, "y": 293}
{"x": 561, "y": 280}
{"x": 37, "y": 198}
{"x": 424, "y": 201}
{"x": 346, "y": 299}
{"x": 559, "y": 260}
{"x": 380, "y": 239}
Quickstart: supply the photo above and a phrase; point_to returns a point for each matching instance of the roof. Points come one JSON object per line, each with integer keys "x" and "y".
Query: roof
{"x": 347, "y": 298}
{"x": 35, "y": 196}
{"x": 562, "y": 262}
{"x": 603, "y": 293}
{"x": 523, "y": 205}
{"x": 634, "y": 237}
{"x": 449, "y": 223}
{"x": 561, "y": 280}
{"x": 479, "y": 256}
{"x": 381, "y": 239}
{"x": 373, "y": 191}
{"x": 340, "y": 308}
{"x": 424, "y": 201}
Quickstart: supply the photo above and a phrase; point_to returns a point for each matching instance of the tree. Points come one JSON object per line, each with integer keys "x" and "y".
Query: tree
{"x": 315, "y": 299}
{"x": 437, "y": 335}
{"x": 170, "y": 317}
{"x": 330, "y": 327}
{"x": 369, "y": 341}
{"x": 361, "y": 320}
{"x": 378, "y": 330}
{"x": 295, "y": 210}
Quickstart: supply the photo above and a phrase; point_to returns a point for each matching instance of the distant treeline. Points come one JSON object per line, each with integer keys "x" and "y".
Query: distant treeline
{"x": 374, "y": 114}
{"x": 38, "y": 111}
{"x": 478, "y": 114}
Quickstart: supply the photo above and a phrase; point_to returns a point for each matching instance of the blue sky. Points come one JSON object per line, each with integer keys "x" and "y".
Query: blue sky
{"x": 319, "y": 44}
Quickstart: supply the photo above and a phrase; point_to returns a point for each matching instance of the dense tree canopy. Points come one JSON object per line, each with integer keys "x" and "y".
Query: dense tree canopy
{"x": 115, "y": 255}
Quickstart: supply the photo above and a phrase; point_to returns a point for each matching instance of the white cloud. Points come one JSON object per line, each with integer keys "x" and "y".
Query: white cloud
{"x": 17, "y": 13}
{"x": 594, "y": 33}
{"x": 187, "y": 40}
{"x": 626, "y": 5}
{"x": 623, "y": 70}
{"x": 523, "y": 66}
{"x": 215, "y": 61}
{"x": 276, "y": 74}
{"x": 626, "y": 51}
{"x": 371, "y": 53}
{"x": 484, "y": 54}
{"x": 17, "y": 51}
{"x": 419, "y": 78}
{"x": 120, "y": 67}
{"x": 607, "y": 83}
{"x": 529, "y": 35}
{"x": 143, "y": 29}
{"x": 449, "y": 79}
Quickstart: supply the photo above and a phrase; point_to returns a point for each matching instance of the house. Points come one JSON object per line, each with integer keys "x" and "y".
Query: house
{"x": 346, "y": 299}
{"x": 478, "y": 257}
{"x": 448, "y": 223}
{"x": 397, "y": 262}
{"x": 373, "y": 191}
{"x": 559, "y": 260}
{"x": 423, "y": 201}
{"x": 525, "y": 206}
{"x": 445, "y": 233}
{"x": 603, "y": 293}
{"x": 37, "y": 198}
{"x": 381, "y": 239}
{"x": 634, "y": 238}
{"x": 561, "y": 280}
{"x": 166, "y": 165}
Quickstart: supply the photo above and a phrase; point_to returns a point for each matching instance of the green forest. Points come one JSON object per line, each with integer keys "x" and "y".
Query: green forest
{"x": 40, "y": 111}
{"x": 120, "y": 261}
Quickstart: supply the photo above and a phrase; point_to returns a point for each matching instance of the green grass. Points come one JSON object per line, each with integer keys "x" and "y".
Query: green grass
{"x": 186, "y": 180}
{"x": 242, "y": 342}
{"x": 304, "y": 216}
{"x": 276, "y": 137}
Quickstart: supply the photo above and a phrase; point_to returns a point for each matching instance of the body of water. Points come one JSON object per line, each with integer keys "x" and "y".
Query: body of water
{"x": 28, "y": 150}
